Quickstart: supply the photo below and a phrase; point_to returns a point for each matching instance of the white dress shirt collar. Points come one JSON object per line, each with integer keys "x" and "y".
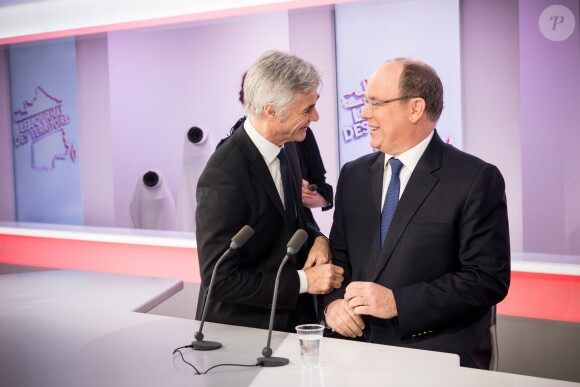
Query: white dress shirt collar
{"x": 267, "y": 149}
{"x": 411, "y": 157}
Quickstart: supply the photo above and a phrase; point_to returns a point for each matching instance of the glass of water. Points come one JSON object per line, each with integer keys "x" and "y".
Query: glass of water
{"x": 310, "y": 338}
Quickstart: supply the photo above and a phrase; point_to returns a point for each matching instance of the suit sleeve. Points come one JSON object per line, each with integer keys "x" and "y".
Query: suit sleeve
{"x": 481, "y": 276}
{"x": 339, "y": 246}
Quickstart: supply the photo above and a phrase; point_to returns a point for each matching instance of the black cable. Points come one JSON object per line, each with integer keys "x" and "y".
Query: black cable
{"x": 234, "y": 365}
{"x": 211, "y": 368}
{"x": 185, "y": 361}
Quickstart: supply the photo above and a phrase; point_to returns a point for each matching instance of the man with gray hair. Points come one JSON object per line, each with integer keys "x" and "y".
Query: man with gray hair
{"x": 254, "y": 179}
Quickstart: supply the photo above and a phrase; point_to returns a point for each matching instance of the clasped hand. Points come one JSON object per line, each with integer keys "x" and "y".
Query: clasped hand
{"x": 361, "y": 298}
{"x": 371, "y": 298}
{"x": 323, "y": 277}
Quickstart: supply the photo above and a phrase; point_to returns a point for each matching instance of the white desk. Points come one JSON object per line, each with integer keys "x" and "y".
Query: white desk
{"x": 72, "y": 328}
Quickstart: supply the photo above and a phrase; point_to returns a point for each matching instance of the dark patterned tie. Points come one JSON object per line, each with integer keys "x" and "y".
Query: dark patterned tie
{"x": 288, "y": 190}
{"x": 391, "y": 199}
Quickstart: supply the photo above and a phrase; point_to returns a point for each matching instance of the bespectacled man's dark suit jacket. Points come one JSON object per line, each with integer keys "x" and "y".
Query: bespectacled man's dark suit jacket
{"x": 447, "y": 254}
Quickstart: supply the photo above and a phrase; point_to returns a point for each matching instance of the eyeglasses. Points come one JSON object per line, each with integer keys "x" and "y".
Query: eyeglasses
{"x": 375, "y": 105}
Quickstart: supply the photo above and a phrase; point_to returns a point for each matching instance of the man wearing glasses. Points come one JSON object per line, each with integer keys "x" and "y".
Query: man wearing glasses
{"x": 420, "y": 228}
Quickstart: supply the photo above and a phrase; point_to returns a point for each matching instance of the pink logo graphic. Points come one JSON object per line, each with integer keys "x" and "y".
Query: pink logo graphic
{"x": 41, "y": 123}
{"x": 353, "y": 102}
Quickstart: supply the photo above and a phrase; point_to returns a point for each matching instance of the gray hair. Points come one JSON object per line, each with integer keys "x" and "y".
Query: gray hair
{"x": 276, "y": 78}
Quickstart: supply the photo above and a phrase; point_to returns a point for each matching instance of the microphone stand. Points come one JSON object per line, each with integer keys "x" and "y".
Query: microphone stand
{"x": 267, "y": 360}
{"x": 199, "y": 344}
{"x": 237, "y": 241}
{"x": 295, "y": 243}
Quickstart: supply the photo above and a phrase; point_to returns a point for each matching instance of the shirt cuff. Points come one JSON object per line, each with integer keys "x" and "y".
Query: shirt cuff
{"x": 303, "y": 281}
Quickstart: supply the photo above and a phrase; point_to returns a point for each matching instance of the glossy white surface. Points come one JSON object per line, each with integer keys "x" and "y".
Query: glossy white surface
{"x": 546, "y": 263}
{"x": 101, "y": 234}
{"x": 72, "y": 328}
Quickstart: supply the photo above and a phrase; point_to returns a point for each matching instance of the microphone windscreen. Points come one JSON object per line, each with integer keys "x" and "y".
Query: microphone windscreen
{"x": 296, "y": 242}
{"x": 312, "y": 187}
{"x": 242, "y": 237}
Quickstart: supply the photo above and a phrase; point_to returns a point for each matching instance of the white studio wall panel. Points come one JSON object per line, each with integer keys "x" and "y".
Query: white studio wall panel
{"x": 45, "y": 132}
{"x": 369, "y": 33}
{"x": 95, "y": 131}
{"x": 7, "y": 204}
{"x": 312, "y": 37}
{"x": 550, "y": 130}
{"x": 164, "y": 81}
{"x": 490, "y": 66}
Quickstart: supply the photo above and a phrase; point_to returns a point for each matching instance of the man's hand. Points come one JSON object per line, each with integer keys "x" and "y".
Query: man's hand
{"x": 341, "y": 318}
{"x": 319, "y": 254}
{"x": 311, "y": 199}
{"x": 372, "y": 299}
{"x": 323, "y": 279}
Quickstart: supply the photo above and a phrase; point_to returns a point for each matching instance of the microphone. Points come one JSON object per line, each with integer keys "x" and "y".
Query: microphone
{"x": 295, "y": 243}
{"x": 238, "y": 241}
{"x": 312, "y": 187}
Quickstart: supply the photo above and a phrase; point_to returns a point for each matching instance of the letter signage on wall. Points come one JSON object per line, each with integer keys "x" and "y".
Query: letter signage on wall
{"x": 368, "y": 34}
{"x": 43, "y": 93}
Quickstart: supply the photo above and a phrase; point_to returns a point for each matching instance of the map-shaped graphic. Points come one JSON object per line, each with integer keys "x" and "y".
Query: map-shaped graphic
{"x": 40, "y": 125}
{"x": 354, "y": 99}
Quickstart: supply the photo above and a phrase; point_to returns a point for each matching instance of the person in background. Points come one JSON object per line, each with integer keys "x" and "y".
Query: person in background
{"x": 313, "y": 173}
{"x": 254, "y": 179}
{"x": 316, "y": 192}
{"x": 420, "y": 227}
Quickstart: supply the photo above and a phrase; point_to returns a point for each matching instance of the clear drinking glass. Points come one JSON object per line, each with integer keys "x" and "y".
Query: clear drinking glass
{"x": 310, "y": 338}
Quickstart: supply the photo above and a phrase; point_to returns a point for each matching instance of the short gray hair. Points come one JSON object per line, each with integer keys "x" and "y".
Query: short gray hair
{"x": 276, "y": 78}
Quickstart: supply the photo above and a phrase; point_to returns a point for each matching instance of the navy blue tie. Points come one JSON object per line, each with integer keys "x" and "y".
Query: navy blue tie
{"x": 288, "y": 191}
{"x": 391, "y": 198}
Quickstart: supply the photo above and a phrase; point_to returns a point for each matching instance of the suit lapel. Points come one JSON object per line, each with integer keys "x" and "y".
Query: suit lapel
{"x": 376, "y": 170}
{"x": 420, "y": 184}
{"x": 296, "y": 174}
{"x": 259, "y": 168}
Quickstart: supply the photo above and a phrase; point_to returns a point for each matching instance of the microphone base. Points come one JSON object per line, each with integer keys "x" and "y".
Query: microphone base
{"x": 272, "y": 361}
{"x": 205, "y": 345}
